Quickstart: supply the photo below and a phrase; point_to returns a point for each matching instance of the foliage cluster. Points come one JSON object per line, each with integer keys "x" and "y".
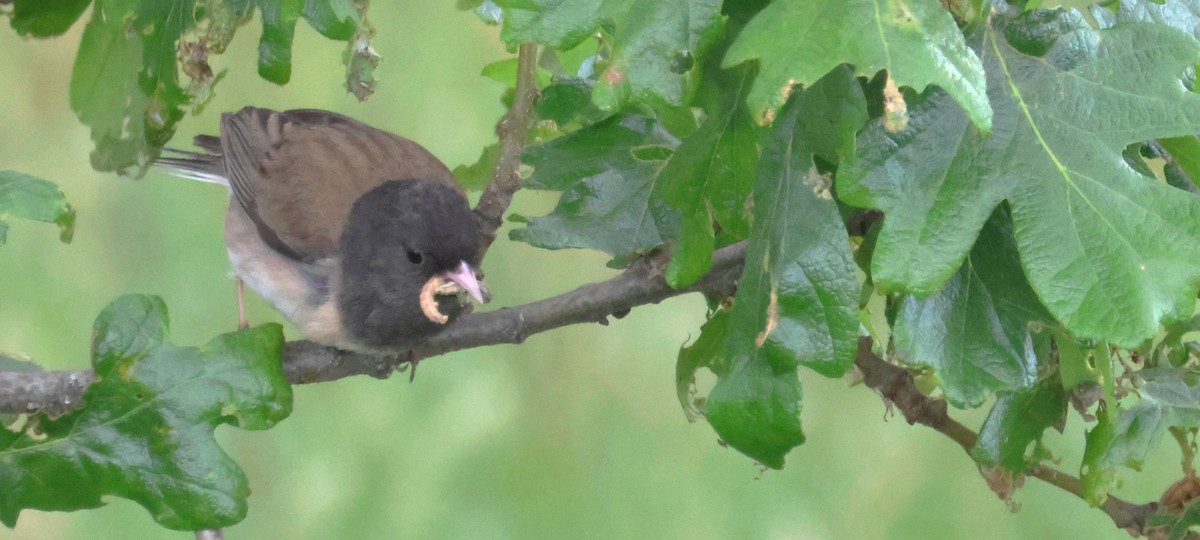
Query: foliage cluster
{"x": 1002, "y": 197}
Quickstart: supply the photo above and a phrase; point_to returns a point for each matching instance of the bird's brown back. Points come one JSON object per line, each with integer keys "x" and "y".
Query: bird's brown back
{"x": 297, "y": 173}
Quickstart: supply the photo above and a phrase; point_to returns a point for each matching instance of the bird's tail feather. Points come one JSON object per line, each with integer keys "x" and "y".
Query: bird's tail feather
{"x": 195, "y": 165}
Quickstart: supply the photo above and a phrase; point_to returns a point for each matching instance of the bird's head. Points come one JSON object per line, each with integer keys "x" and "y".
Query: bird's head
{"x": 403, "y": 239}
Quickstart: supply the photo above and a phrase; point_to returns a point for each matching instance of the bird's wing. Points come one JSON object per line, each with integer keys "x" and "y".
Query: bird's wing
{"x": 297, "y": 173}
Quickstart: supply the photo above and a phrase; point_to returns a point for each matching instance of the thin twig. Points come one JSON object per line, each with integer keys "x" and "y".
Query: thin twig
{"x": 512, "y": 130}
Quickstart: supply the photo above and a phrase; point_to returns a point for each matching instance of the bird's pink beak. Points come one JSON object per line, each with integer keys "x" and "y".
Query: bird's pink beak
{"x": 464, "y": 276}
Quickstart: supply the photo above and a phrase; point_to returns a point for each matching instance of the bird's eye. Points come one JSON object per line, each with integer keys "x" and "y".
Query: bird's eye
{"x": 414, "y": 257}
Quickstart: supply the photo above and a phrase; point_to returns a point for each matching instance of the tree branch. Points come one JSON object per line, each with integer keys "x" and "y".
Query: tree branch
{"x": 898, "y": 388}
{"x": 512, "y": 130}
{"x": 53, "y": 392}
{"x": 307, "y": 362}
{"x": 642, "y": 283}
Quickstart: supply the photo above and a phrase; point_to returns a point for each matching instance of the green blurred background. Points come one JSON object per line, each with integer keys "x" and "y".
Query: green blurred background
{"x": 576, "y": 433}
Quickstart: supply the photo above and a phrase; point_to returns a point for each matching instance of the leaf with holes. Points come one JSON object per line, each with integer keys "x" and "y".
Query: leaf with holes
{"x": 1109, "y": 252}
{"x": 1124, "y": 437}
{"x": 124, "y": 84}
{"x": 145, "y": 431}
{"x": 1012, "y": 433}
{"x": 657, "y": 47}
{"x": 1166, "y": 400}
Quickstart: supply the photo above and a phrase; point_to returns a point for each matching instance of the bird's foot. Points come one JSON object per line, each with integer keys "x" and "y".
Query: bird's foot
{"x": 413, "y": 360}
{"x": 239, "y": 287}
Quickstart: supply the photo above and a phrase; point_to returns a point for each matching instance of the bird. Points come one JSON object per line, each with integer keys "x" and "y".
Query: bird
{"x": 357, "y": 235}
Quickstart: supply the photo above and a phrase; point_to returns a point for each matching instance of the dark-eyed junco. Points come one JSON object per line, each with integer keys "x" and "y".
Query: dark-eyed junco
{"x": 348, "y": 230}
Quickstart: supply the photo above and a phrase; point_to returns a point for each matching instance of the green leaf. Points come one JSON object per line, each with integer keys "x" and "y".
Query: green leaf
{"x": 477, "y": 175}
{"x": 1184, "y": 153}
{"x": 275, "y": 48}
{"x": 1172, "y": 348}
{"x": 607, "y": 173}
{"x": 709, "y": 178}
{"x": 837, "y": 111}
{"x": 658, "y": 45}
{"x": 1012, "y": 433}
{"x": 756, "y": 410}
{"x": 974, "y": 333}
{"x": 1074, "y": 364}
{"x": 334, "y": 19}
{"x": 502, "y": 71}
{"x": 1109, "y": 252}
{"x": 561, "y": 24}
{"x": 916, "y": 41}
{"x": 486, "y": 10}
{"x": 568, "y": 103}
{"x": 27, "y": 197}
{"x": 146, "y": 431}
{"x": 797, "y": 301}
{"x": 46, "y": 18}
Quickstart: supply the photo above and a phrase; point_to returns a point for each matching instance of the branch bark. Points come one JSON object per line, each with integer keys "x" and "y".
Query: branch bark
{"x": 53, "y": 392}
{"x": 306, "y": 362}
{"x": 642, "y": 283}
{"x": 512, "y": 130}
